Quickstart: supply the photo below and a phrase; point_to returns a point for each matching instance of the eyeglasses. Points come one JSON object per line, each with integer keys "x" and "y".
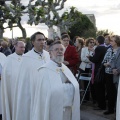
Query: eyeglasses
{"x": 40, "y": 39}
{"x": 66, "y": 40}
{"x": 92, "y": 42}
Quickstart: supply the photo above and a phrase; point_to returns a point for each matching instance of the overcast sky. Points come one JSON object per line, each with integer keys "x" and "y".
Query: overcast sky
{"x": 107, "y": 14}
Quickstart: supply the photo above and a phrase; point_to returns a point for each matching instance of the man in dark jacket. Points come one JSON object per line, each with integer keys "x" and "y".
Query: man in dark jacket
{"x": 97, "y": 59}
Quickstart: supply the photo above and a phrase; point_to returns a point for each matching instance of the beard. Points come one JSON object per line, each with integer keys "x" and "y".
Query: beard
{"x": 58, "y": 59}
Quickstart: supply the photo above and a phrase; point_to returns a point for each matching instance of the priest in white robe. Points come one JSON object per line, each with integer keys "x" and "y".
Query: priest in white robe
{"x": 31, "y": 60}
{"x": 57, "y": 90}
{"x": 2, "y": 62}
{"x": 9, "y": 77}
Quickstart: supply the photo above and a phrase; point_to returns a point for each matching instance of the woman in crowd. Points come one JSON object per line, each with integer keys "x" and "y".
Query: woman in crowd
{"x": 115, "y": 65}
{"x": 115, "y": 62}
{"x": 74, "y": 39}
{"x": 79, "y": 45}
{"x": 56, "y": 38}
{"x": 110, "y": 87}
{"x": 86, "y": 65}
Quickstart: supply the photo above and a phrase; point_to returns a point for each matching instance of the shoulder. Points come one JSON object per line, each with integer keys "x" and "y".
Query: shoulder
{"x": 66, "y": 68}
{"x": 1, "y": 54}
{"x": 28, "y": 53}
{"x": 45, "y": 52}
{"x": 9, "y": 56}
{"x": 109, "y": 50}
{"x": 44, "y": 68}
{"x": 2, "y": 58}
{"x": 71, "y": 47}
{"x": 101, "y": 48}
{"x": 84, "y": 48}
{"x": 46, "y": 65}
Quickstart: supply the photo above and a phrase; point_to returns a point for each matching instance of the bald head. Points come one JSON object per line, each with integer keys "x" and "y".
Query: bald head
{"x": 20, "y": 47}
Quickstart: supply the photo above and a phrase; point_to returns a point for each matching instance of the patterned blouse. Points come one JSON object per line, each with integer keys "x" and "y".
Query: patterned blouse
{"x": 109, "y": 56}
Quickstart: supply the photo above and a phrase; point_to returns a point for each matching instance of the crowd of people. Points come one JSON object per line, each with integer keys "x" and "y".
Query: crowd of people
{"x": 41, "y": 83}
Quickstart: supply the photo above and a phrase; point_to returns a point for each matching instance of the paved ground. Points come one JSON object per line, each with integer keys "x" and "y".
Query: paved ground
{"x": 87, "y": 113}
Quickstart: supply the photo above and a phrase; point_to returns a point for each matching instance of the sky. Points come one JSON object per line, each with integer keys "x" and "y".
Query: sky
{"x": 107, "y": 15}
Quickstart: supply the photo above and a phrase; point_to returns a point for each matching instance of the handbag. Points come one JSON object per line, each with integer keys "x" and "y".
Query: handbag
{"x": 99, "y": 78}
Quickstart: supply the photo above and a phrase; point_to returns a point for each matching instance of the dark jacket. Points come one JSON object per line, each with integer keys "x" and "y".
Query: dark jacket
{"x": 97, "y": 58}
{"x": 6, "y": 51}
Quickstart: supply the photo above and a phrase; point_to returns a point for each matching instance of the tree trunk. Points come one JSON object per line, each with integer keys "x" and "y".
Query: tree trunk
{"x": 62, "y": 29}
{"x": 50, "y": 33}
{"x": 22, "y": 29}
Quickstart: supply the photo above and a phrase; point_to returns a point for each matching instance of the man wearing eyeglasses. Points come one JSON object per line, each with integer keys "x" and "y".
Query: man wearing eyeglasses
{"x": 57, "y": 93}
{"x": 31, "y": 61}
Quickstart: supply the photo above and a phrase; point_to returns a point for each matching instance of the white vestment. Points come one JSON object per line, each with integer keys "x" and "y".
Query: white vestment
{"x": 118, "y": 103}
{"x": 9, "y": 77}
{"x": 2, "y": 61}
{"x": 49, "y": 94}
{"x": 23, "y": 98}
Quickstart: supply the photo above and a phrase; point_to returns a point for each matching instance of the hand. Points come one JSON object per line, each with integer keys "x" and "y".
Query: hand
{"x": 88, "y": 56}
{"x": 106, "y": 64}
{"x": 115, "y": 71}
{"x": 66, "y": 62}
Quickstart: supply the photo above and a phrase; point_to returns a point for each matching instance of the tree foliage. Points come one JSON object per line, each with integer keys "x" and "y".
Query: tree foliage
{"x": 12, "y": 14}
{"x": 102, "y": 32}
{"x": 45, "y": 11}
{"x": 81, "y": 26}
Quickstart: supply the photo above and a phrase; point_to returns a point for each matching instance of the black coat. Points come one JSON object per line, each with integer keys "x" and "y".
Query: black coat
{"x": 97, "y": 58}
{"x": 6, "y": 51}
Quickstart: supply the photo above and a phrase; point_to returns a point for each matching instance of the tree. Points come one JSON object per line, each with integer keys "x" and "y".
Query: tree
{"x": 102, "y": 32}
{"x": 68, "y": 19}
{"x": 81, "y": 25}
{"x": 12, "y": 14}
{"x": 45, "y": 11}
